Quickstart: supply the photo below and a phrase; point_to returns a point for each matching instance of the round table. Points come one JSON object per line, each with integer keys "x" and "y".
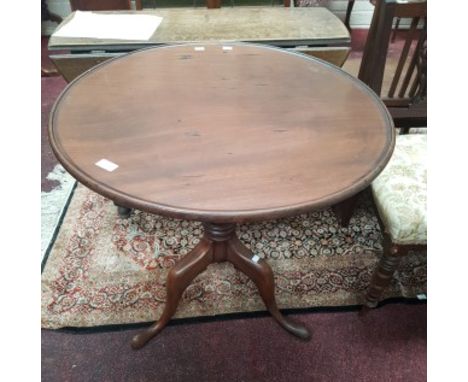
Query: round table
{"x": 221, "y": 134}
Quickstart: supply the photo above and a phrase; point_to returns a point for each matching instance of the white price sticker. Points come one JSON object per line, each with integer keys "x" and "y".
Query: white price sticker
{"x": 106, "y": 165}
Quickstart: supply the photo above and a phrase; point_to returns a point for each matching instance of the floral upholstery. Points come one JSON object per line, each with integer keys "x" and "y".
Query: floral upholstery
{"x": 400, "y": 191}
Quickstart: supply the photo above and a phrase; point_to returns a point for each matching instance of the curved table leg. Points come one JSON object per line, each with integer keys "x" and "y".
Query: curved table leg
{"x": 262, "y": 275}
{"x": 218, "y": 244}
{"x": 178, "y": 279}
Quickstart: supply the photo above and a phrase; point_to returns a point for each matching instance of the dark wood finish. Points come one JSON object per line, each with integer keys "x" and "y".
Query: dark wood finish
{"x": 406, "y": 99}
{"x": 349, "y": 10}
{"x": 345, "y": 209}
{"x": 407, "y": 95}
{"x": 313, "y": 28}
{"x": 388, "y": 264}
{"x": 102, "y": 5}
{"x": 229, "y": 144}
{"x": 71, "y": 66}
{"x": 239, "y": 146}
{"x": 384, "y": 272}
{"x": 219, "y": 244}
{"x": 334, "y": 55}
{"x": 123, "y": 212}
{"x": 212, "y": 4}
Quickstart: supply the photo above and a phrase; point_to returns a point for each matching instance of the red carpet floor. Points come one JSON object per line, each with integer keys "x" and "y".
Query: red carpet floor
{"x": 388, "y": 344}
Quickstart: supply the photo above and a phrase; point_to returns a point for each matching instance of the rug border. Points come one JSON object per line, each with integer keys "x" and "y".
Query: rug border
{"x": 201, "y": 318}
{"x": 57, "y": 227}
{"x": 236, "y": 316}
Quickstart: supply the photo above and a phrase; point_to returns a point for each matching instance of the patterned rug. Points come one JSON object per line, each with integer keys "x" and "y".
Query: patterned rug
{"x": 105, "y": 270}
{"x": 53, "y": 204}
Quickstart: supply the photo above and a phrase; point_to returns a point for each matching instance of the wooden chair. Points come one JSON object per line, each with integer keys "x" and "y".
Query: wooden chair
{"x": 399, "y": 192}
{"x": 103, "y": 5}
{"x": 47, "y": 15}
{"x": 349, "y": 10}
{"x": 406, "y": 97}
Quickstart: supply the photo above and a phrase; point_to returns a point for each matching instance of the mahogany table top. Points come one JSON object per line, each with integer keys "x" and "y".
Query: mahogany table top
{"x": 221, "y": 133}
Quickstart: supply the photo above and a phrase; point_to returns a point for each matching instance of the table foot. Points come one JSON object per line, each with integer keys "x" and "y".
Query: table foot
{"x": 261, "y": 274}
{"x": 178, "y": 279}
{"x": 123, "y": 212}
{"x": 219, "y": 244}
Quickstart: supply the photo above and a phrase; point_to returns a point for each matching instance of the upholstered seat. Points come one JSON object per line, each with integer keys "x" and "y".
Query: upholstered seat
{"x": 400, "y": 191}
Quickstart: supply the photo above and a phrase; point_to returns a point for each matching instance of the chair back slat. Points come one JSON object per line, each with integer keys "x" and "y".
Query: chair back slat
{"x": 372, "y": 68}
{"x": 402, "y": 80}
{"x": 418, "y": 91}
{"x": 409, "y": 74}
{"x": 403, "y": 56}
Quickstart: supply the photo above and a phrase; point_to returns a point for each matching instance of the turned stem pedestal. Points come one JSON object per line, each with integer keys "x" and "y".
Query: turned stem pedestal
{"x": 219, "y": 243}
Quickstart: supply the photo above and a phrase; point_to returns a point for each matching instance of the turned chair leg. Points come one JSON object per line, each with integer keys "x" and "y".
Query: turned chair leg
{"x": 383, "y": 274}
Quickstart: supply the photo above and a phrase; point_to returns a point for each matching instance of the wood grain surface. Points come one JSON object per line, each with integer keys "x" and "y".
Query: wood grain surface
{"x": 276, "y": 25}
{"x": 221, "y": 135}
{"x": 72, "y": 65}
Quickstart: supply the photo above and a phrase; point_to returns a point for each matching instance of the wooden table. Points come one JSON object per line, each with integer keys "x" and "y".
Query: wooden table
{"x": 227, "y": 134}
{"x": 312, "y": 30}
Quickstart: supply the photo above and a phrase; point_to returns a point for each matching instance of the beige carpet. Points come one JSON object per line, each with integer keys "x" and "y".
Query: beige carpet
{"x": 106, "y": 270}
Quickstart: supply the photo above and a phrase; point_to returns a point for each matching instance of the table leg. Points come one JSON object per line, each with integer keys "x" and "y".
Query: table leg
{"x": 123, "y": 212}
{"x": 345, "y": 209}
{"x": 262, "y": 275}
{"x": 178, "y": 279}
{"x": 219, "y": 243}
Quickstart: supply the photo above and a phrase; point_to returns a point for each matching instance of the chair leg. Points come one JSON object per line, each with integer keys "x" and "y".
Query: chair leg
{"x": 383, "y": 274}
{"x": 349, "y": 9}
